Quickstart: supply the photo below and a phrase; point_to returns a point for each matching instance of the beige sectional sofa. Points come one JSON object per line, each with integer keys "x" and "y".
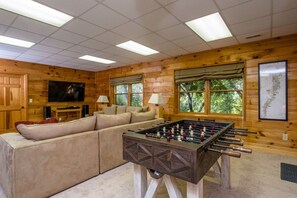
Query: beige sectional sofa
{"x": 40, "y": 168}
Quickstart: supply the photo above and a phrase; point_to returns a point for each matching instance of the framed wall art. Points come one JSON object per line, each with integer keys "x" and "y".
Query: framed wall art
{"x": 273, "y": 91}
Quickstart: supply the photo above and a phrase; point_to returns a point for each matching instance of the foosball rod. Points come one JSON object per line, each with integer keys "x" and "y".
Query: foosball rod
{"x": 231, "y": 138}
{"x": 229, "y": 153}
{"x": 230, "y": 142}
{"x": 245, "y": 150}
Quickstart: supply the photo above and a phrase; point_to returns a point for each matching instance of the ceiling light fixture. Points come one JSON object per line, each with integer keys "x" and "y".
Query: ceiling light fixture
{"x": 36, "y": 11}
{"x": 96, "y": 59}
{"x": 16, "y": 42}
{"x": 211, "y": 27}
{"x": 137, "y": 48}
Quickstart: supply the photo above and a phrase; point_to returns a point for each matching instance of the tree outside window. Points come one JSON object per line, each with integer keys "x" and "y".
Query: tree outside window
{"x": 129, "y": 94}
{"x": 221, "y": 96}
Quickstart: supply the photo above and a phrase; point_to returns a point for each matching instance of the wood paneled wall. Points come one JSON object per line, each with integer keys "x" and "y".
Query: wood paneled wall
{"x": 38, "y": 76}
{"x": 158, "y": 77}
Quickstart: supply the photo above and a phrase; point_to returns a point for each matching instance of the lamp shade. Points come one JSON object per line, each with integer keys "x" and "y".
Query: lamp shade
{"x": 103, "y": 99}
{"x": 157, "y": 99}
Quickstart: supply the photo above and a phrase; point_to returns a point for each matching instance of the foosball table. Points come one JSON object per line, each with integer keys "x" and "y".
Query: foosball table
{"x": 184, "y": 149}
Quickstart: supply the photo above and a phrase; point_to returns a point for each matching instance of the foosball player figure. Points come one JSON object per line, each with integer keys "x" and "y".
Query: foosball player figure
{"x": 202, "y": 134}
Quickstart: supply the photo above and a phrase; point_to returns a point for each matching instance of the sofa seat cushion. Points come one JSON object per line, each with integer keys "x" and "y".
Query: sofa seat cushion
{"x": 46, "y": 131}
{"x": 104, "y": 121}
{"x": 140, "y": 117}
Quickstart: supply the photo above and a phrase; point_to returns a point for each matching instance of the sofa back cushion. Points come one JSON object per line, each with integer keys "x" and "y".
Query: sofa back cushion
{"x": 121, "y": 109}
{"x": 46, "y": 131}
{"x": 140, "y": 117}
{"x": 133, "y": 109}
{"x": 109, "y": 110}
{"x": 104, "y": 121}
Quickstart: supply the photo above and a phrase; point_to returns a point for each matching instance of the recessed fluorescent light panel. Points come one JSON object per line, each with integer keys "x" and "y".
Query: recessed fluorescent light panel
{"x": 137, "y": 48}
{"x": 96, "y": 59}
{"x": 211, "y": 27}
{"x": 16, "y": 42}
{"x": 36, "y": 11}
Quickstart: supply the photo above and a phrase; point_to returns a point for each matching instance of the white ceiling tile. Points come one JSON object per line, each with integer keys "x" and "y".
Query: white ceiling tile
{"x": 157, "y": 20}
{"x": 56, "y": 43}
{"x": 247, "y": 11}
{"x": 175, "y": 32}
{"x": 135, "y": 9}
{"x": 70, "y": 54}
{"x": 45, "y": 48}
{"x": 26, "y": 56}
{"x": 38, "y": 53}
{"x": 150, "y": 39}
{"x": 3, "y": 28}
{"x": 34, "y": 26}
{"x": 83, "y": 28}
{"x": 26, "y": 59}
{"x": 122, "y": 59}
{"x": 165, "y": 46}
{"x": 283, "y": 5}
{"x": 223, "y": 4}
{"x": 68, "y": 36}
{"x": 114, "y": 50}
{"x": 101, "y": 54}
{"x": 49, "y": 61}
{"x": 192, "y": 9}
{"x": 284, "y": 30}
{"x": 165, "y": 2}
{"x": 264, "y": 34}
{"x": 6, "y": 17}
{"x": 71, "y": 7}
{"x": 223, "y": 42}
{"x": 11, "y": 49}
{"x": 104, "y": 17}
{"x": 91, "y": 43}
{"x": 251, "y": 26}
{"x": 27, "y": 36}
{"x": 110, "y": 38}
{"x": 59, "y": 58}
{"x": 176, "y": 52}
{"x": 131, "y": 30}
{"x": 8, "y": 56}
{"x": 197, "y": 48}
{"x": 159, "y": 56}
{"x": 81, "y": 49}
{"x": 188, "y": 41}
{"x": 284, "y": 18}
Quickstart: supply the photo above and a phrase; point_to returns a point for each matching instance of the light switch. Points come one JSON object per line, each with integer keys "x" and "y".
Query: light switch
{"x": 30, "y": 100}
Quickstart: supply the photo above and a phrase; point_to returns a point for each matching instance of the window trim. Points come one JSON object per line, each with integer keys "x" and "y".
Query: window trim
{"x": 129, "y": 93}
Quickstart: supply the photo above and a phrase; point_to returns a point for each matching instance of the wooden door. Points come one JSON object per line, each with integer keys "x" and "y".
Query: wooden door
{"x": 13, "y": 100}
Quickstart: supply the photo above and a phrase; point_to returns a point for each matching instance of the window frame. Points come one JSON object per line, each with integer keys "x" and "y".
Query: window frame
{"x": 129, "y": 98}
{"x": 207, "y": 100}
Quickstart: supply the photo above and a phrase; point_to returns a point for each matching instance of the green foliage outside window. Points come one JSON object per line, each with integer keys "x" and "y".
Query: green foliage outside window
{"x": 131, "y": 94}
{"x": 225, "y": 96}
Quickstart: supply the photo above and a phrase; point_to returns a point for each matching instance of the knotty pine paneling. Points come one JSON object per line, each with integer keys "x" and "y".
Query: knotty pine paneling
{"x": 38, "y": 76}
{"x": 158, "y": 76}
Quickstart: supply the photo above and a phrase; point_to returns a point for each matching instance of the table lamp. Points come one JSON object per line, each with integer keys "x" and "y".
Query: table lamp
{"x": 103, "y": 101}
{"x": 157, "y": 99}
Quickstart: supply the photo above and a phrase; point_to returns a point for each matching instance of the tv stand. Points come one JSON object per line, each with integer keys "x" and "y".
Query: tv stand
{"x": 68, "y": 114}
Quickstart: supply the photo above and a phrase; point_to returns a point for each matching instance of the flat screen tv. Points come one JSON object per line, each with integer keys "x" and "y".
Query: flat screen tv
{"x": 60, "y": 91}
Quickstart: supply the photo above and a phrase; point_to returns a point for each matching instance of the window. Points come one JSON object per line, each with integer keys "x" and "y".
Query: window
{"x": 211, "y": 90}
{"x": 225, "y": 96}
{"x": 128, "y": 90}
{"x": 129, "y": 94}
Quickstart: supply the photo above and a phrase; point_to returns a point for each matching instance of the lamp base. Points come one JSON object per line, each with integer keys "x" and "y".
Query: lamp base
{"x": 159, "y": 110}
{"x": 100, "y": 106}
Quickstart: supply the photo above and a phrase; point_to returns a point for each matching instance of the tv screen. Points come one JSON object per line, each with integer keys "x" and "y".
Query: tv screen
{"x": 59, "y": 91}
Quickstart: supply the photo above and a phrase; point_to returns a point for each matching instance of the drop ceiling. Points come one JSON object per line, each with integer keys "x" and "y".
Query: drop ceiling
{"x": 99, "y": 25}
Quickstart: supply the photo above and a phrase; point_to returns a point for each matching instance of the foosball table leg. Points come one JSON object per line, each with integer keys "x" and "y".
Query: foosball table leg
{"x": 225, "y": 171}
{"x": 153, "y": 188}
{"x": 140, "y": 181}
{"x": 195, "y": 190}
{"x": 171, "y": 186}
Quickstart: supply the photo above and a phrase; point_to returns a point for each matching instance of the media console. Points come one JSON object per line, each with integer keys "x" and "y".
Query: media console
{"x": 67, "y": 114}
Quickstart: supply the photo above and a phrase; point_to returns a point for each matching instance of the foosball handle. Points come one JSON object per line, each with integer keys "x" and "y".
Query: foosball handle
{"x": 245, "y": 150}
{"x": 230, "y": 153}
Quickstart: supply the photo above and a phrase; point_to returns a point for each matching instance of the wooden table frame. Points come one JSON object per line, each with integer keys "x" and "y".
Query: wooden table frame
{"x": 141, "y": 190}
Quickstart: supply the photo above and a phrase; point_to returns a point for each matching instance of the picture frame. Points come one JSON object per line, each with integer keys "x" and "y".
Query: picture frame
{"x": 273, "y": 90}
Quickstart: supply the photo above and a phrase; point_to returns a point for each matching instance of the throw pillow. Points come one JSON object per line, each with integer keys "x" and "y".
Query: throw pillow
{"x": 50, "y": 120}
{"x": 109, "y": 110}
{"x": 135, "y": 109}
{"x": 121, "y": 109}
{"x": 46, "y": 131}
{"x": 140, "y": 117}
{"x": 145, "y": 109}
{"x": 104, "y": 121}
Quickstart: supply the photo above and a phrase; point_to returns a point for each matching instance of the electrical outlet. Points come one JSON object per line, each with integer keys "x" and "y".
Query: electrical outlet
{"x": 285, "y": 136}
{"x": 30, "y": 100}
